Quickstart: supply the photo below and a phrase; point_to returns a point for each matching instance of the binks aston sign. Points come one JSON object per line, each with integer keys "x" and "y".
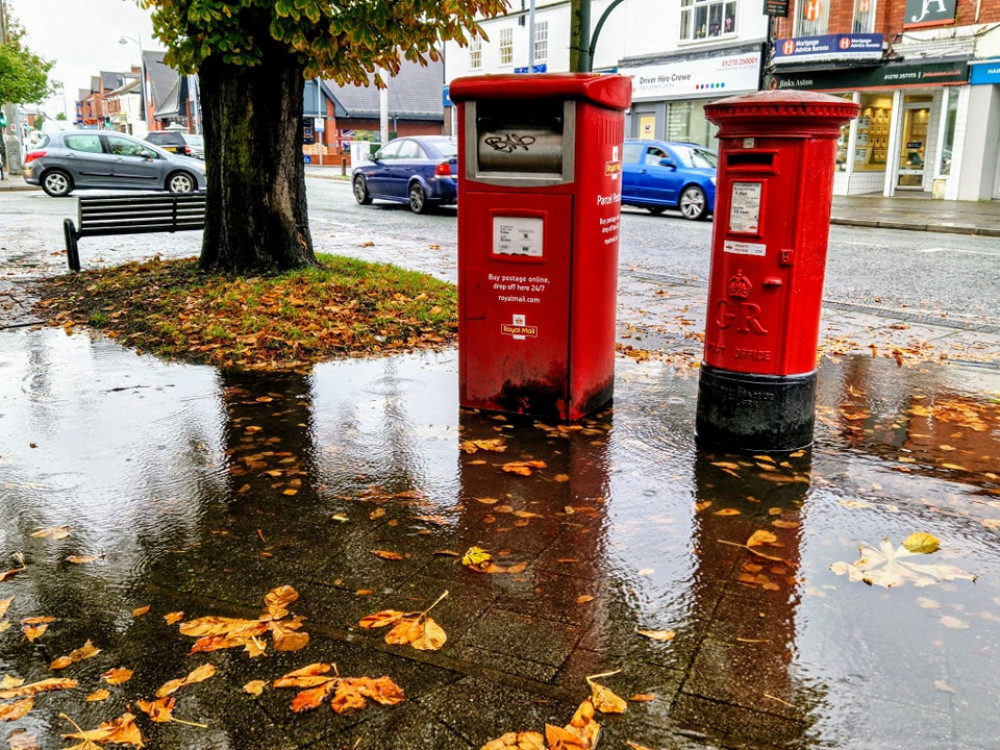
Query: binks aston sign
{"x": 929, "y": 12}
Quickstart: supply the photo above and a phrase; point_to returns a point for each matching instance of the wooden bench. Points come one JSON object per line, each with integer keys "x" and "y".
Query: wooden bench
{"x": 133, "y": 214}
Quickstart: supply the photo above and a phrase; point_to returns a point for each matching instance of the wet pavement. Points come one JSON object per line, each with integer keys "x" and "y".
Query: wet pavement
{"x": 190, "y": 490}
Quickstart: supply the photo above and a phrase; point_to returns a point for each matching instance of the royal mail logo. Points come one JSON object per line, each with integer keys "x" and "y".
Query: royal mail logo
{"x": 612, "y": 167}
{"x": 519, "y": 332}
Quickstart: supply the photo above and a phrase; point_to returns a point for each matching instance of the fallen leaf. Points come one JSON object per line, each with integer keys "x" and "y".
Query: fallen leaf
{"x": 921, "y": 543}
{"x": 762, "y": 537}
{"x": 890, "y": 567}
{"x": 87, "y": 651}
{"x": 34, "y": 688}
{"x": 380, "y": 619}
{"x": 276, "y": 602}
{"x": 83, "y": 560}
{"x": 727, "y": 512}
{"x": 17, "y": 709}
{"x": 161, "y": 710}
{"x": 523, "y": 468}
{"x": 215, "y": 633}
{"x": 476, "y": 558}
{"x": 200, "y": 674}
{"x": 100, "y": 694}
{"x": 605, "y": 700}
{"x": 117, "y": 676}
{"x": 313, "y": 697}
{"x": 140, "y": 611}
{"x": 387, "y": 555}
{"x": 308, "y": 676}
{"x": 172, "y": 618}
{"x": 122, "y": 730}
{"x": 517, "y": 741}
{"x": 643, "y": 698}
{"x": 8, "y": 574}
{"x": 53, "y": 532}
{"x": 255, "y": 688}
{"x": 495, "y": 445}
{"x": 584, "y": 598}
{"x": 953, "y": 622}
{"x": 658, "y": 635}
{"x": 5, "y": 605}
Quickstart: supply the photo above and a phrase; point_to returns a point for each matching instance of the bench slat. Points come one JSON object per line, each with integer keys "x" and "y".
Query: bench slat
{"x": 133, "y": 214}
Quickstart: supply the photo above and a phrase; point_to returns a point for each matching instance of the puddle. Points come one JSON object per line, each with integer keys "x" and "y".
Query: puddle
{"x": 200, "y": 491}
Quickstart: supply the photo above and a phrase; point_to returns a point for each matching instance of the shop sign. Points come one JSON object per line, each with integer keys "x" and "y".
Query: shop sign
{"x": 778, "y": 8}
{"x": 884, "y": 76}
{"x": 721, "y": 76}
{"x": 828, "y": 47}
{"x": 929, "y": 12}
{"x": 988, "y": 72}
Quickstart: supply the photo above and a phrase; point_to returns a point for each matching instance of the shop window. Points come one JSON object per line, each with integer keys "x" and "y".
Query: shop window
{"x": 871, "y": 145}
{"x": 706, "y": 19}
{"x": 948, "y": 139}
{"x": 507, "y": 46}
{"x": 864, "y": 17}
{"x": 542, "y": 41}
{"x": 476, "y": 53}
{"x": 686, "y": 122}
{"x": 813, "y": 17}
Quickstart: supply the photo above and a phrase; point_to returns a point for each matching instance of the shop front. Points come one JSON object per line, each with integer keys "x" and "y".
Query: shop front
{"x": 905, "y": 140}
{"x": 669, "y": 93}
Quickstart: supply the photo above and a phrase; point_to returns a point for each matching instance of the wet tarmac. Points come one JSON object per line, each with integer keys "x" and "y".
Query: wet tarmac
{"x": 358, "y": 483}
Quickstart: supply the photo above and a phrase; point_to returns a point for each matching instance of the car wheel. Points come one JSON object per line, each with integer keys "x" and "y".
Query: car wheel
{"x": 418, "y": 199}
{"x": 361, "y": 194}
{"x": 656, "y": 210}
{"x": 180, "y": 182}
{"x": 57, "y": 183}
{"x": 693, "y": 204}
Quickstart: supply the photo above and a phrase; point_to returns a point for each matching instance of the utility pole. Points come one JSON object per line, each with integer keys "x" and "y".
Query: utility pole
{"x": 580, "y": 60}
{"x": 11, "y": 141}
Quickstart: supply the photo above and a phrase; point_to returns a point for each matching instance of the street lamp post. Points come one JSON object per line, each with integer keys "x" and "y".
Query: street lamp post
{"x": 125, "y": 39}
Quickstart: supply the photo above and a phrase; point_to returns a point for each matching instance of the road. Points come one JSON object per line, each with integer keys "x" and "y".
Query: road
{"x": 940, "y": 279}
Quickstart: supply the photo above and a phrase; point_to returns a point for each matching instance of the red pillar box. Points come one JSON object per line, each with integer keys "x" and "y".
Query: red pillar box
{"x": 539, "y": 195}
{"x": 777, "y": 152}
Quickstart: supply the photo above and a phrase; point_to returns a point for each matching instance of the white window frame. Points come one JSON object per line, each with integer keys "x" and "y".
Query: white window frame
{"x": 506, "y": 44}
{"x": 541, "y": 41}
{"x": 476, "y": 53}
{"x": 818, "y": 27}
{"x": 864, "y": 16}
{"x": 706, "y": 20}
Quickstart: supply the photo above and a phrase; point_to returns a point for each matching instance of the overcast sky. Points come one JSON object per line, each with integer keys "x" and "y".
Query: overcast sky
{"x": 81, "y": 36}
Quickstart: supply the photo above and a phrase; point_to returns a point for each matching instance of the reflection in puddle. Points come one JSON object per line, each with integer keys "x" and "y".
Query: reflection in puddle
{"x": 199, "y": 490}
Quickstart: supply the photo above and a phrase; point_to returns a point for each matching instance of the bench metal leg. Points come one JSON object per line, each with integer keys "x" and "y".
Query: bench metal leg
{"x": 72, "y": 252}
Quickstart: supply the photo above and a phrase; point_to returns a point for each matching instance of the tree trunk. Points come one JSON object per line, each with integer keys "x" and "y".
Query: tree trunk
{"x": 256, "y": 219}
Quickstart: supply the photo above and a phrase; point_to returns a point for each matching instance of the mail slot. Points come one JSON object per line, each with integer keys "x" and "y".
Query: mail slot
{"x": 539, "y": 191}
{"x": 772, "y": 219}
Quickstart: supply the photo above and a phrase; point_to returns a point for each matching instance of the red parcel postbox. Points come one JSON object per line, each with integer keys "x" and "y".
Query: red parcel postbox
{"x": 777, "y": 152}
{"x": 539, "y": 195}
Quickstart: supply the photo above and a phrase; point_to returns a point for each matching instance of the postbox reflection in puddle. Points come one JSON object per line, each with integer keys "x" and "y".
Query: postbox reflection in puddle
{"x": 772, "y": 218}
{"x": 539, "y": 204}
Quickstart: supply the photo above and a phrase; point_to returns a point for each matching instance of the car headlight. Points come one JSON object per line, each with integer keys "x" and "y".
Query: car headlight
{"x": 712, "y": 180}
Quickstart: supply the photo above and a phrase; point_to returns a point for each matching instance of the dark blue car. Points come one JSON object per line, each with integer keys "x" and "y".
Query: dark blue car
{"x": 657, "y": 175}
{"x": 418, "y": 170}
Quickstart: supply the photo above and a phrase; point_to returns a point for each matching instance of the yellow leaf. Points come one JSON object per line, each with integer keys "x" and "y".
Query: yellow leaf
{"x": 288, "y": 640}
{"x": 584, "y": 598}
{"x": 160, "y": 710}
{"x": 200, "y": 674}
{"x": 34, "y": 632}
{"x": 658, "y": 635}
{"x": 380, "y": 619}
{"x": 921, "y": 542}
{"x": 604, "y": 700}
{"x": 17, "y": 709}
{"x": 54, "y": 532}
{"x": 255, "y": 687}
{"x": 171, "y": 618}
{"x": 98, "y": 695}
{"x": 276, "y": 601}
{"x": 727, "y": 512}
{"x": 476, "y": 557}
{"x": 643, "y": 698}
{"x": 34, "y": 688}
{"x": 517, "y": 741}
{"x": 432, "y": 637}
{"x": 4, "y": 606}
{"x": 387, "y": 555}
{"x": 117, "y": 676}
{"x": 82, "y": 559}
{"x": 761, "y": 537}
{"x": 139, "y": 612}
{"x": 308, "y": 676}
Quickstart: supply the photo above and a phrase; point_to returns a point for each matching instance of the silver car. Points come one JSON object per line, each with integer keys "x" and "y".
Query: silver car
{"x": 62, "y": 162}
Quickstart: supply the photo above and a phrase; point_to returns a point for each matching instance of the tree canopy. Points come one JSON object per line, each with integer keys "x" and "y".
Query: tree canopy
{"x": 252, "y": 58}
{"x": 339, "y": 40}
{"x": 24, "y": 76}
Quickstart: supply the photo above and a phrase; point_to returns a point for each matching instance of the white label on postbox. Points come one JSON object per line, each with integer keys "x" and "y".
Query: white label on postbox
{"x": 517, "y": 235}
{"x": 744, "y": 209}
{"x": 745, "y": 248}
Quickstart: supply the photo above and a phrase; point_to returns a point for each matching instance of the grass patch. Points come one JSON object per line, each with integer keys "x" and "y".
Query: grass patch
{"x": 345, "y": 307}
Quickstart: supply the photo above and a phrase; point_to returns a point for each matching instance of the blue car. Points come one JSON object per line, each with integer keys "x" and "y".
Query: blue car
{"x": 657, "y": 175}
{"x": 419, "y": 171}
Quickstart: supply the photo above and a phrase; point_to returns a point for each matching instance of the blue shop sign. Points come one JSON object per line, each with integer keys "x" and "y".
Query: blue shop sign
{"x": 986, "y": 72}
{"x": 828, "y": 47}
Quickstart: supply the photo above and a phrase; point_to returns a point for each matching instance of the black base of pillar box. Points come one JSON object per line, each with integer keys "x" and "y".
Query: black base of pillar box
{"x": 740, "y": 411}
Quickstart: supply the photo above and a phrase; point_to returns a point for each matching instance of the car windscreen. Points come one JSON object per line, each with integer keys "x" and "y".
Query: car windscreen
{"x": 448, "y": 149}
{"x": 697, "y": 158}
